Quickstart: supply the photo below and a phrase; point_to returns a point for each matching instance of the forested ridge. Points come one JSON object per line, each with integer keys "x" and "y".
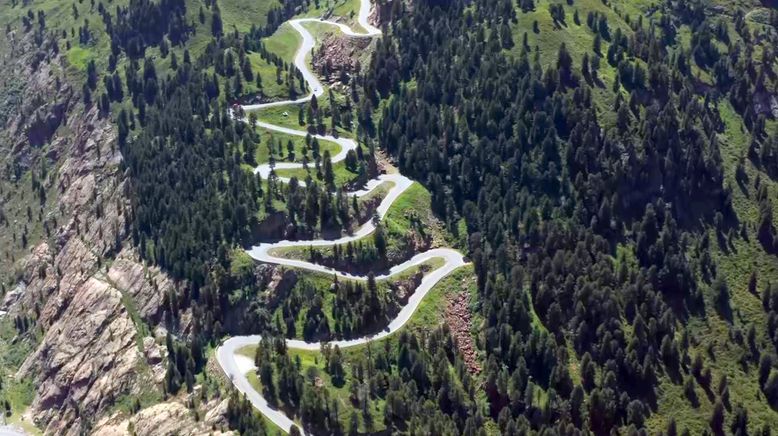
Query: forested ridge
{"x": 608, "y": 166}
{"x": 591, "y": 186}
{"x": 170, "y": 72}
{"x": 195, "y": 201}
{"x": 598, "y": 228}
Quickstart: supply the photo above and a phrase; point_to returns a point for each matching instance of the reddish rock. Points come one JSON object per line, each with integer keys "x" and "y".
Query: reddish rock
{"x": 338, "y": 55}
{"x": 458, "y": 318}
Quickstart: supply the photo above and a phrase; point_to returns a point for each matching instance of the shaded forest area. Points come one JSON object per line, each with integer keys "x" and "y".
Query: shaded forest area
{"x": 598, "y": 229}
{"x": 595, "y": 236}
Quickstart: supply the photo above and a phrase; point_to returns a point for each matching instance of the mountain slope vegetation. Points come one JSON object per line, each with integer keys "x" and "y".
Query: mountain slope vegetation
{"x": 591, "y": 150}
{"x": 608, "y": 166}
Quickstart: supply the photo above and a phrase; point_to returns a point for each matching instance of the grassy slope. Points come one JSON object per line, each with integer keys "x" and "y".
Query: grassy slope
{"x": 18, "y": 393}
{"x": 735, "y": 263}
{"x": 578, "y": 38}
{"x": 268, "y": 71}
{"x": 402, "y": 216}
{"x": 339, "y": 10}
{"x": 342, "y": 174}
{"x": 413, "y": 211}
{"x": 323, "y": 283}
{"x": 241, "y": 15}
{"x": 268, "y": 137}
{"x": 283, "y": 42}
{"x": 288, "y": 115}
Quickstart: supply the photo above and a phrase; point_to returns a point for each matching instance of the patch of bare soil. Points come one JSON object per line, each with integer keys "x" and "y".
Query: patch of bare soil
{"x": 459, "y": 320}
{"x": 338, "y": 57}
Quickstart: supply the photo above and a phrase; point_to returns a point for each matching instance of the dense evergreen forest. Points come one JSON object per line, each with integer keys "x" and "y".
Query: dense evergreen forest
{"x": 424, "y": 385}
{"x": 595, "y": 225}
{"x": 591, "y": 230}
{"x": 609, "y": 166}
{"x": 195, "y": 199}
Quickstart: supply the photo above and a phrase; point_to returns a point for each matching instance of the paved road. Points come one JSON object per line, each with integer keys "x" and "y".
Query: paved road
{"x": 6, "y": 430}
{"x": 235, "y": 365}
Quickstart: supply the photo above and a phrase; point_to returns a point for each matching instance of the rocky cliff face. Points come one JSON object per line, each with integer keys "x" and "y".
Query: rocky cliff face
{"x": 167, "y": 419}
{"x": 86, "y": 284}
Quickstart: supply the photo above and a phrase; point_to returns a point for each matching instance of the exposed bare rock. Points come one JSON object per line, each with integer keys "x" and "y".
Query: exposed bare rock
{"x": 87, "y": 356}
{"x": 458, "y": 318}
{"x": 90, "y": 353}
{"x": 339, "y": 56}
{"x": 373, "y": 17}
{"x": 765, "y": 103}
{"x": 151, "y": 351}
{"x": 169, "y": 418}
{"x": 381, "y": 11}
{"x": 279, "y": 281}
{"x": 273, "y": 225}
{"x": 146, "y": 285}
{"x": 12, "y": 296}
{"x": 367, "y": 210}
{"x": 42, "y": 104}
{"x": 404, "y": 288}
{"x": 46, "y": 120}
{"x": 217, "y": 416}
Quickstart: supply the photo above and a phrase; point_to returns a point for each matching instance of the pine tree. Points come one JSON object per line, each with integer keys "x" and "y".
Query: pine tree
{"x": 216, "y": 22}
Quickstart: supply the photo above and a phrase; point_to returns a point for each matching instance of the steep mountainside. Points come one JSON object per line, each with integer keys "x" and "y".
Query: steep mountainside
{"x": 608, "y": 166}
{"x": 89, "y": 313}
{"x": 611, "y": 161}
{"x": 69, "y": 323}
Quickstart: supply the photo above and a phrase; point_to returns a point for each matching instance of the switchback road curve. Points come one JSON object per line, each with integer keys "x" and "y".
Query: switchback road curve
{"x": 236, "y": 365}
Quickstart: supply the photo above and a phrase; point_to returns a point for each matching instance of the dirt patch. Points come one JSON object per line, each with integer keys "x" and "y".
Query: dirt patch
{"x": 459, "y": 320}
{"x": 338, "y": 58}
{"x": 403, "y": 289}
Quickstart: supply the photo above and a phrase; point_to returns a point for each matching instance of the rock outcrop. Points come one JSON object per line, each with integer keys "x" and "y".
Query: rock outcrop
{"x": 168, "y": 418}
{"x": 339, "y": 56}
{"x": 765, "y": 103}
{"x": 458, "y": 318}
{"x": 85, "y": 283}
{"x": 404, "y": 288}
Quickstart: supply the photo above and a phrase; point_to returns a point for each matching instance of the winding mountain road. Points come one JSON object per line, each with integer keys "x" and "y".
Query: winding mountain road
{"x": 236, "y": 365}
